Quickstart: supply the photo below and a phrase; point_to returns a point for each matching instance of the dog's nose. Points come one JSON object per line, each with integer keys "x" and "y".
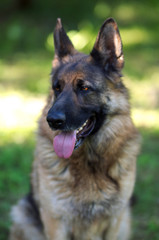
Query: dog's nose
{"x": 56, "y": 120}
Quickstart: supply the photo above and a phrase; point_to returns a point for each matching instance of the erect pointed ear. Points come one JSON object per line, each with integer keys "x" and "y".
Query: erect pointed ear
{"x": 62, "y": 43}
{"x": 107, "y": 49}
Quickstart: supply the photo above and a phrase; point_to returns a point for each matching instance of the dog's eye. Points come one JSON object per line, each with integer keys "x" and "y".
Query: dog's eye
{"x": 85, "y": 88}
{"x": 57, "y": 89}
{"x": 82, "y": 86}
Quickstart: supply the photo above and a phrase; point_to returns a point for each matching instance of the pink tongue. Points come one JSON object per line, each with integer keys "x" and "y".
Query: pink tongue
{"x": 64, "y": 144}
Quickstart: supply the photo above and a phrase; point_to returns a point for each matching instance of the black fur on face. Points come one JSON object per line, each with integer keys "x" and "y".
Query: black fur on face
{"x": 82, "y": 83}
{"x": 79, "y": 89}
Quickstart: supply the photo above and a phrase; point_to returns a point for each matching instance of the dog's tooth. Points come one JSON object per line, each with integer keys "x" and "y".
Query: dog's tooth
{"x": 85, "y": 123}
{"x": 81, "y": 128}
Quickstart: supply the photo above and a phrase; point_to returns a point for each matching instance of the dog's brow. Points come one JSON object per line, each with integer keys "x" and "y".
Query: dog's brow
{"x": 55, "y": 81}
{"x": 83, "y": 81}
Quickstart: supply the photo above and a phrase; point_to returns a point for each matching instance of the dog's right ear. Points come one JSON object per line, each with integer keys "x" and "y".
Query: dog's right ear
{"x": 62, "y": 43}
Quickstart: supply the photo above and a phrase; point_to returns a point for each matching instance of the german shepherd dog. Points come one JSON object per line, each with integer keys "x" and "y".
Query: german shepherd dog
{"x": 85, "y": 159}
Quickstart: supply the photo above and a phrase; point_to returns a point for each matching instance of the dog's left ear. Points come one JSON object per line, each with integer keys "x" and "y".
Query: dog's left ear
{"x": 62, "y": 43}
{"x": 107, "y": 50}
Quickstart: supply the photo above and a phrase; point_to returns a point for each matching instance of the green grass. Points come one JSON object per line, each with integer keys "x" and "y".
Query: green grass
{"x": 146, "y": 210}
{"x": 15, "y": 165}
{"x": 26, "y": 53}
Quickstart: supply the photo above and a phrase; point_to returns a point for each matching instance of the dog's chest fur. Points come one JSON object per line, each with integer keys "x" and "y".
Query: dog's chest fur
{"x": 76, "y": 188}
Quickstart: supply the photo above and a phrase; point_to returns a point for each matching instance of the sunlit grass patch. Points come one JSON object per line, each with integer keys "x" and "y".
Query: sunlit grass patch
{"x": 146, "y": 118}
{"x": 19, "y": 110}
{"x": 144, "y": 93}
{"x": 19, "y": 115}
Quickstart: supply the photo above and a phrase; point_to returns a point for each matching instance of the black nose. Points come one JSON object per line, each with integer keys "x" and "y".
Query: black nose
{"x": 56, "y": 119}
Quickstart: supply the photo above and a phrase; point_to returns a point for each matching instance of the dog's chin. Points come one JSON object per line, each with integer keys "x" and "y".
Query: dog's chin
{"x": 84, "y": 131}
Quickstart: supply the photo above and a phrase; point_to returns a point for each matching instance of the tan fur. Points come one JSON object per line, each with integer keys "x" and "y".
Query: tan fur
{"x": 85, "y": 197}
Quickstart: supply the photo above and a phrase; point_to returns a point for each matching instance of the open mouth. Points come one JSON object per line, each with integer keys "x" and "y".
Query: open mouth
{"x": 84, "y": 131}
{"x": 65, "y": 142}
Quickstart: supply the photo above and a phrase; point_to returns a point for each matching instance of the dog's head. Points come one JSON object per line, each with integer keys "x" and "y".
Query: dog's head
{"x": 84, "y": 86}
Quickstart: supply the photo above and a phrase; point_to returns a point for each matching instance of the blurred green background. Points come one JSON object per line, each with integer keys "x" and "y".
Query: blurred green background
{"x": 26, "y": 52}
